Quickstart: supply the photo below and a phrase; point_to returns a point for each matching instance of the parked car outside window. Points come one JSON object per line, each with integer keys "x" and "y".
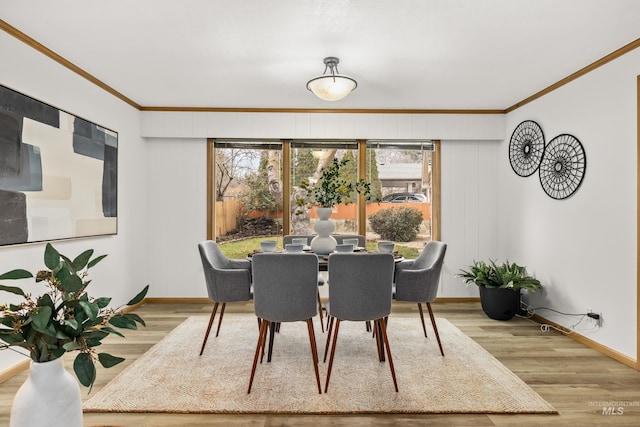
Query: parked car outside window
{"x": 405, "y": 197}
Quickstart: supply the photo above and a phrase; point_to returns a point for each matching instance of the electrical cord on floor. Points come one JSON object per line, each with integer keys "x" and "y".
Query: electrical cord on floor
{"x": 545, "y": 327}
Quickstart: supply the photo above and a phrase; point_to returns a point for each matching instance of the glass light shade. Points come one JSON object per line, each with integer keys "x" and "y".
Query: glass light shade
{"x": 331, "y": 87}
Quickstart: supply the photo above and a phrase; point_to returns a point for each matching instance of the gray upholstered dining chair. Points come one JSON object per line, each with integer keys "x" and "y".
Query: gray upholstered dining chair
{"x": 228, "y": 280}
{"x": 288, "y": 239}
{"x": 285, "y": 287}
{"x": 417, "y": 280}
{"x": 360, "y": 288}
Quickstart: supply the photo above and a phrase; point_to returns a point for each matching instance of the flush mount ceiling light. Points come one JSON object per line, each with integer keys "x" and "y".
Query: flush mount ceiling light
{"x": 332, "y": 86}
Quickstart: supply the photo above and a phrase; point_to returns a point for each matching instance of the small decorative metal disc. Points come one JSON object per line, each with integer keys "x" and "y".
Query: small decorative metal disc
{"x": 563, "y": 166}
{"x": 526, "y": 148}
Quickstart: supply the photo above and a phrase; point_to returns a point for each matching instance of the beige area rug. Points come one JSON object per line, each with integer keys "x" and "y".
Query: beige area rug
{"x": 172, "y": 378}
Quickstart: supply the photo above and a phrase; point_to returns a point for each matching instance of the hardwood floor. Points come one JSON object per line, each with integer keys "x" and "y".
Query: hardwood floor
{"x": 575, "y": 379}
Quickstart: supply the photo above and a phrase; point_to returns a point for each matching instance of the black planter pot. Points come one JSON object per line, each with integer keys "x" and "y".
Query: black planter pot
{"x": 500, "y": 303}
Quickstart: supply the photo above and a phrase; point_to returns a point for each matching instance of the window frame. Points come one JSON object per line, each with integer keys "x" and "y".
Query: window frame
{"x": 362, "y": 145}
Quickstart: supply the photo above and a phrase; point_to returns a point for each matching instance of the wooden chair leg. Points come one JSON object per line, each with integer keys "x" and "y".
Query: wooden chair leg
{"x": 273, "y": 327}
{"x": 378, "y": 337}
{"x": 224, "y": 304}
{"x": 383, "y": 327}
{"x": 329, "y": 330}
{"x": 314, "y": 352}
{"x": 261, "y": 336}
{"x": 435, "y": 328}
{"x": 333, "y": 352}
{"x": 422, "y": 319}
{"x": 206, "y": 335}
{"x": 320, "y": 312}
{"x": 263, "y": 341}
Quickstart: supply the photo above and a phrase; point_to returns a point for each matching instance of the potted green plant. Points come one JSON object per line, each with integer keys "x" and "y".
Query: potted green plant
{"x": 500, "y": 286}
{"x": 62, "y": 319}
{"x": 330, "y": 190}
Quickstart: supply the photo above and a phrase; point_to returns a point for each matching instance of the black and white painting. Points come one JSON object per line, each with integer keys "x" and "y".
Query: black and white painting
{"x": 58, "y": 173}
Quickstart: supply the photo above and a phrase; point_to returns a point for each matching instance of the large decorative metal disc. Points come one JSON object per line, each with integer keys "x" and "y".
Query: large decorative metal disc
{"x": 526, "y": 148}
{"x": 563, "y": 166}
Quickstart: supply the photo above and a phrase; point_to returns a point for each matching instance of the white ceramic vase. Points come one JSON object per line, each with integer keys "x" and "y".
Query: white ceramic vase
{"x": 49, "y": 397}
{"x": 323, "y": 243}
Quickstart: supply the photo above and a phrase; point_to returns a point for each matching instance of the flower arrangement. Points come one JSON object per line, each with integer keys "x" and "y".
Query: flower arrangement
{"x": 331, "y": 189}
{"x": 64, "y": 318}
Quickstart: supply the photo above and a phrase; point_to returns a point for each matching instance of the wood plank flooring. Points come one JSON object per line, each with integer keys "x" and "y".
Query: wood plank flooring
{"x": 573, "y": 378}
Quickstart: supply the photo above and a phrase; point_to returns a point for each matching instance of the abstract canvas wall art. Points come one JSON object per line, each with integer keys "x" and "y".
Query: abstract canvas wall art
{"x": 58, "y": 173}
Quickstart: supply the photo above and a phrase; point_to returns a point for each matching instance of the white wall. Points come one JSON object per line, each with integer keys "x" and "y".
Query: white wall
{"x": 469, "y": 215}
{"x": 124, "y": 272}
{"x": 177, "y": 220}
{"x": 176, "y": 197}
{"x": 583, "y": 248}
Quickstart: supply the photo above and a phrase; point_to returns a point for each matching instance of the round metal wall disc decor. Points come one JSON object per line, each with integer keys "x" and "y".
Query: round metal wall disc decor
{"x": 526, "y": 148}
{"x": 563, "y": 166}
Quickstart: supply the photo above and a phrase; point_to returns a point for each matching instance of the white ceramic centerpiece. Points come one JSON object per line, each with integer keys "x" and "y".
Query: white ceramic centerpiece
{"x": 329, "y": 190}
{"x": 324, "y": 243}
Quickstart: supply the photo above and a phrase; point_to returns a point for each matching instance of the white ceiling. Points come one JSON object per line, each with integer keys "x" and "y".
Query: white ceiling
{"x": 405, "y": 54}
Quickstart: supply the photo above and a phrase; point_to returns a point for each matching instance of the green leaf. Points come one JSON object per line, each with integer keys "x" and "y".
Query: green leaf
{"x": 46, "y": 300}
{"x": 71, "y": 345}
{"x": 108, "y": 360}
{"x": 16, "y": 274}
{"x": 139, "y": 297}
{"x": 98, "y": 335}
{"x": 85, "y": 369}
{"x": 112, "y": 331}
{"x": 12, "y": 289}
{"x": 73, "y": 323}
{"x": 7, "y": 321}
{"x": 61, "y": 335}
{"x": 96, "y": 260}
{"x": 136, "y": 318}
{"x": 41, "y": 318}
{"x": 123, "y": 322}
{"x": 51, "y": 257}
{"x": 90, "y": 308}
{"x": 12, "y": 338}
{"x": 102, "y": 302}
{"x": 71, "y": 283}
{"x": 81, "y": 260}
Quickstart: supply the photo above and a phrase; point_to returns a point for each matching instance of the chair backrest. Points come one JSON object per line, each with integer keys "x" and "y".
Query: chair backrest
{"x": 424, "y": 287}
{"x": 360, "y": 285}
{"x": 432, "y": 256}
{"x": 224, "y": 282}
{"x": 212, "y": 255}
{"x": 362, "y": 241}
{"x": 285, "y": 286}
